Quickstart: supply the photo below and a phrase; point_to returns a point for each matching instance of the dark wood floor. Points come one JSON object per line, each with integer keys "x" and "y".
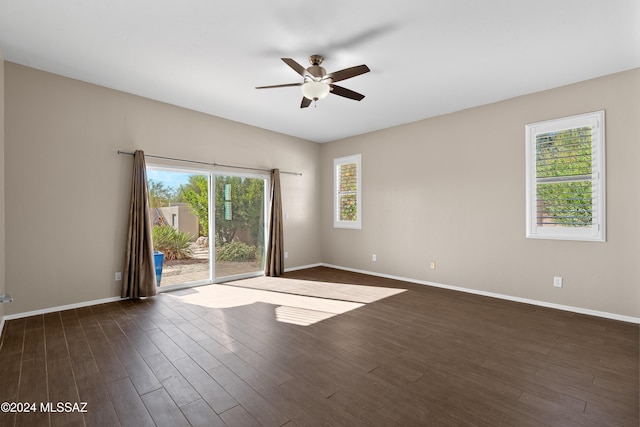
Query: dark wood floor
{"x": 423, "y": 357}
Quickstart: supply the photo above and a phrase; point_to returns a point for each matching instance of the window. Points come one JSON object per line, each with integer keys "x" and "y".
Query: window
{"x": 566, "y": 178}
{"x": 347, "y": 187}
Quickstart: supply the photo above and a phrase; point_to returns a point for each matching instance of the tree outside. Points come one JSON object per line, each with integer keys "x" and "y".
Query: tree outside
{"x": 161, "y": 195}
{"x": 196, "y": 194}
{"x": 241, "y": 208}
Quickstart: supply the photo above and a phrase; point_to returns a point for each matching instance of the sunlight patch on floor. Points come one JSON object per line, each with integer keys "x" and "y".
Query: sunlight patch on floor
{"x": 301, "y": 316}
{"x": 298, "y": 302}
{"x": 224, "y": 296}
{"x": 310, "y": 288}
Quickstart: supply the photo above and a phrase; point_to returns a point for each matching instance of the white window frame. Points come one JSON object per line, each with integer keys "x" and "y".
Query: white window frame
{"x": 595, "y": 232}
{"x": 337, "y": 223}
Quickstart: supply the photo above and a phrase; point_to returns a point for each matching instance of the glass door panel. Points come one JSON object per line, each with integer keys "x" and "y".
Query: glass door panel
{"x": 179, "y": 202}
{"x": 239, "y": 225}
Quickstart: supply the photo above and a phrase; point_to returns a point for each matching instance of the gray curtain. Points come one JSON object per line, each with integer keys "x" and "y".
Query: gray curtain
{"x": 275, "y": 244}
{"x": 139, "y": 273}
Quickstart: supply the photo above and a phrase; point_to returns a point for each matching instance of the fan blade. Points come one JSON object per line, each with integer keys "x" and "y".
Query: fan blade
{"x": 347, "y": 73}
{"x": 305, "y": 102}
{"x": 284, "y": 85}
{"x": 296, "y": 67}
{"x": 347, "y": 93}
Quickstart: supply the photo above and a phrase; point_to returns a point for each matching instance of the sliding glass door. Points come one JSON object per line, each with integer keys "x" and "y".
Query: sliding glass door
{"x": 199, "y": 238}
{"x": 240, "y": 206}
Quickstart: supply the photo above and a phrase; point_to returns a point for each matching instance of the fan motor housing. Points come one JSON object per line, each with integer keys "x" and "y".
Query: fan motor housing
{"x": 317, "y": 71}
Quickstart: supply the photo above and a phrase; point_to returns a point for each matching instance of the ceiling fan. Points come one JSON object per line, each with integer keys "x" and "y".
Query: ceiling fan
{"x": 318, "y": 84}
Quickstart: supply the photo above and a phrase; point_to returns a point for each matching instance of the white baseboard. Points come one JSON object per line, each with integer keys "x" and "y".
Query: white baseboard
{"x": 572, "y": 309}
{"x": 61, "y": 308}
{"x": 303, "y": 267}
{"x": 1, "y": 325}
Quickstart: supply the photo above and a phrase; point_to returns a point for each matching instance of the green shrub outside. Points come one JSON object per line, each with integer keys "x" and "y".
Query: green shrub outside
{"x": 236, "y": 251}
{"x": 175, "y": 244}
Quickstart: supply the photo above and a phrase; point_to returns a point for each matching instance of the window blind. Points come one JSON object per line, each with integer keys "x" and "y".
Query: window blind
{"x": 348, "y": 191}
{"x": 564, "y": 178}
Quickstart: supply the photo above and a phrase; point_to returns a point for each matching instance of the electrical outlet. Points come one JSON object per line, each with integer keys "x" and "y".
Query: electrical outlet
{"x": 373, "y": 257}
{"x": 118, "y": 276}
{"x": 286, "y": 254}
{"x": 557, "y": 281}
{"x": 432, "y": 265}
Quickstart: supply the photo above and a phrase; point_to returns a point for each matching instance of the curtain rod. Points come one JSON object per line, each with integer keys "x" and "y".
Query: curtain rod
{"x": 210, "y": 164}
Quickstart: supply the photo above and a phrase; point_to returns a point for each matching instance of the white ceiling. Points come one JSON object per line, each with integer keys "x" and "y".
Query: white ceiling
{"x": 427, "y": 57}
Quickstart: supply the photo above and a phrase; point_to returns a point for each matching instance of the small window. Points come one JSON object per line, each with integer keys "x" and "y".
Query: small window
{"x": 566, "y": 179}
{"x": 347, "y": 192}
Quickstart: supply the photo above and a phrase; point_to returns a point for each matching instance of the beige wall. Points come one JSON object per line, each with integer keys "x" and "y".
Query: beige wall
{"x": 61, "y": 141}
{"x": 448, "y": 189}
{"x": 452, "y": 189}
{"x": 2, "y": 226}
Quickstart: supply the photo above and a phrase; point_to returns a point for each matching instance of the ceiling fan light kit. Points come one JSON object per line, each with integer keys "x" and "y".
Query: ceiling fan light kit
{"x": 315, "y": 90}
{"x": 318, "y": 84}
